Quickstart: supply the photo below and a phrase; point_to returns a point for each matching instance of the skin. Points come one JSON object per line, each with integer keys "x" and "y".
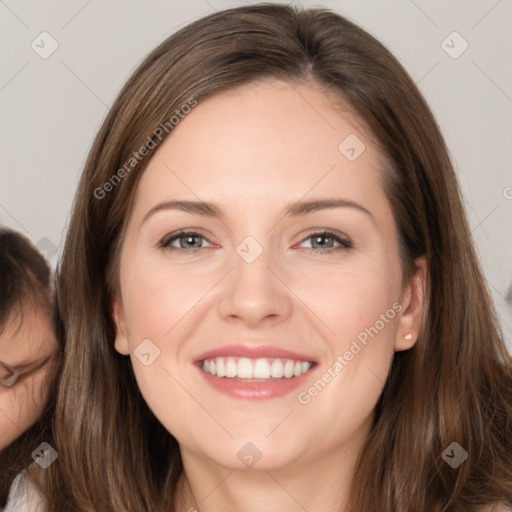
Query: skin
{"x": 253, "y": 150}
{"x": 24, "y": 340}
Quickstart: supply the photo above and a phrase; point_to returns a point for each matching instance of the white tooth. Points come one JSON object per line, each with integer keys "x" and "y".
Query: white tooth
{"x": 230, "y": 367}
{"x": 213, "y": 369}
{"x": 221, "y": 369}
{"x": 304, "y": 367}
{"x": 261, "y": 369}
{"x": 244, "y": 370}
{"x": 206, "y": 366}
{"x": 276, "y": 370}
{"x": 298, "y": 369}
{"x": 288, "y": 369}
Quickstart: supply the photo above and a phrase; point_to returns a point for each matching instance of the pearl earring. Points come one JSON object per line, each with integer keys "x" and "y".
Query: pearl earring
{"x": 408, "y": 336}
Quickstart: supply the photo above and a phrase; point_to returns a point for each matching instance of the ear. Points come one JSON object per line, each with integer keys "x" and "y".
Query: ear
{"x": 121, "y": 342}
{"x": 412, "y": 304}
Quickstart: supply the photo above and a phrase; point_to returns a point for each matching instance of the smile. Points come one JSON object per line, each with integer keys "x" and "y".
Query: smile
{"x": 255, "y": 370}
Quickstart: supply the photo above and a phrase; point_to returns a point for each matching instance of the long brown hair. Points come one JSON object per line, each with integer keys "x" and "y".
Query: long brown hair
{"x": 454, "y": 385}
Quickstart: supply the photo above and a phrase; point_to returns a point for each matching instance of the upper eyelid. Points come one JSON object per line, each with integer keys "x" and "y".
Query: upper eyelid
{"x": 8, "y": 367}
{"x": 21, "y": 371}
{"x": 12, "y": 378}
{"x": 21, "y": 368}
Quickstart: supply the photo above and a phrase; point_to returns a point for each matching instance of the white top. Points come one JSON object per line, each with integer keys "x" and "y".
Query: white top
{"x": 24, "y": 496}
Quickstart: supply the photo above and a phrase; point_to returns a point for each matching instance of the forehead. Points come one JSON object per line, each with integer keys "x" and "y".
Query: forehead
{"x": 255, "y": 141}
{"x": 27, "y": 335}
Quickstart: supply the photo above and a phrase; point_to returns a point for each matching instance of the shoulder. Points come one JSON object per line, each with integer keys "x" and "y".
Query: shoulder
{"x": 24, "y": 496}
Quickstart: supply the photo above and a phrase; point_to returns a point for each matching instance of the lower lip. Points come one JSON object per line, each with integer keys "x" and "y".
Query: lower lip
{"x": 255, "y": 390}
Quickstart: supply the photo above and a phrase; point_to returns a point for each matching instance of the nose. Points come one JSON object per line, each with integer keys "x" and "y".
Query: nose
{"x": 255, "y": 293}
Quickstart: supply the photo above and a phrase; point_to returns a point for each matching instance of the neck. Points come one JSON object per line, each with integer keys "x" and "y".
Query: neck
{"x": 321, "y": 484}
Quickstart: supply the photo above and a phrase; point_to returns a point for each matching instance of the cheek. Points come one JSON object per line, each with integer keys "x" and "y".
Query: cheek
{"x": 9, "y": 418}
{"x": 156, "y": 303}
{"x": 349, "y": 299}
{"x": 21, "y": 406}
{"x": 156, "y": 297}
{"x": 366, "y": 330}
{"x": 361, "y": 310}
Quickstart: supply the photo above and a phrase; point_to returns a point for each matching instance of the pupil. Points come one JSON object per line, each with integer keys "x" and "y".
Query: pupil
{"x": 190, "y": 238}
{"x": 321, "y": 237}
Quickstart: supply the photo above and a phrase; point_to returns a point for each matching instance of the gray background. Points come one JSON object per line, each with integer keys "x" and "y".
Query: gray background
{"x": 51, "y": 107}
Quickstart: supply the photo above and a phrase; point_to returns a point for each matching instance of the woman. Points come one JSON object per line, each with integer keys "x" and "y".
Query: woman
{"x": 27, "y": 359}
{"x": 326, "y": 341}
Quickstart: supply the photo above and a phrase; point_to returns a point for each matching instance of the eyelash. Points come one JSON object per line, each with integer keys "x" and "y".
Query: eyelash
{"x": 345, "y": 244}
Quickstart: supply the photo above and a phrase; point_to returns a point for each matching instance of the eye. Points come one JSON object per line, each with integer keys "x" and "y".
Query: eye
{"x": 191, "y": 241}
{"x": 323, "y": 241}
{"x": 7, "y": 376}
{"x": 10, "y": 376}
{"x": 187, "y": 240}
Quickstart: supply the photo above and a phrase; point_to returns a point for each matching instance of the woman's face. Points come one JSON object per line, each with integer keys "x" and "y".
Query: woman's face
{"x": 24, "y": 341}
{"x": 298, "y": 343}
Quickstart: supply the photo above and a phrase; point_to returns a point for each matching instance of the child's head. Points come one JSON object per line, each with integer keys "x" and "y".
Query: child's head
{"x": 253, "y": 110}
{"x": 27, "y": 335}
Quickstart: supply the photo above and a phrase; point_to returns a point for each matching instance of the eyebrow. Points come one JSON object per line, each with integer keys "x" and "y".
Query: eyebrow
{"x": 297, "y": 209}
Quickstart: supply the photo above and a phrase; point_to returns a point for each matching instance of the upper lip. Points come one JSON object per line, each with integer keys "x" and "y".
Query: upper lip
{"x": 253, "y": 352}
